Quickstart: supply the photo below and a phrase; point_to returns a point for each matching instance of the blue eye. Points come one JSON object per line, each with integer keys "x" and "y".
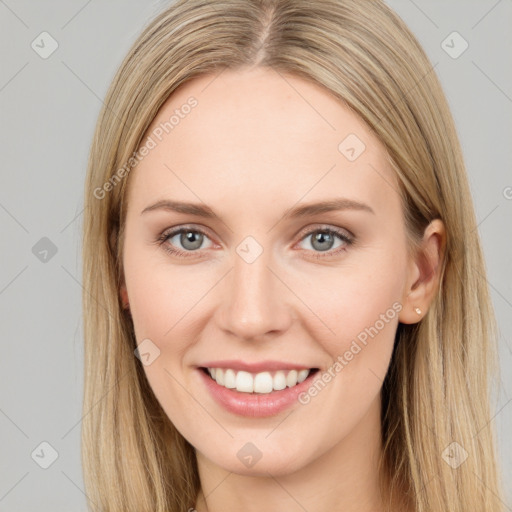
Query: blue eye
{"x": 323, "y": 239}
{"x": 191, "y": 239}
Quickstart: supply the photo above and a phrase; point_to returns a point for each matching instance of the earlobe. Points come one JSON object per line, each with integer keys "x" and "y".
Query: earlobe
{"x": 425, "y": 274}
{"x": 123, "y": 293}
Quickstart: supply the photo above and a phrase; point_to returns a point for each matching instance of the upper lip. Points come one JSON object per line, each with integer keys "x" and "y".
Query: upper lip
{"x": 255, "y": 367}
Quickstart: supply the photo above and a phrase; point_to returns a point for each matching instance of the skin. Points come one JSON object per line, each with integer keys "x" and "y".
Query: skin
{"x": 260, "y": 142}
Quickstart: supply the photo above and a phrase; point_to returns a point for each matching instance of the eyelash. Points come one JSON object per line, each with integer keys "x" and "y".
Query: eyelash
{"x": 166, "y": 235}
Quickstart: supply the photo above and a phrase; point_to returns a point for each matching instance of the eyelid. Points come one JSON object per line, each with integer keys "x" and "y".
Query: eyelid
{"x": 324, "y": 227}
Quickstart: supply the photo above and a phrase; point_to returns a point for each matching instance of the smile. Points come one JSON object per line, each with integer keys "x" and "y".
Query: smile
{"x": 262, "y": 382}
{"x": 256, "y": 388}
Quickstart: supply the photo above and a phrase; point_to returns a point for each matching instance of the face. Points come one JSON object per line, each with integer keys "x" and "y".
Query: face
{"x": 263, "y": 286}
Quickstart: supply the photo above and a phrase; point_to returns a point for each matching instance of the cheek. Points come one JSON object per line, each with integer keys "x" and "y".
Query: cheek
{"x": 359, "y": 310}
{"x": 362, "y": 314}
{"x": 161, "y": 296}
{"x": 162, "y": 304}
{"x": 360, "y": 353}
{"x": 353, "y": 301}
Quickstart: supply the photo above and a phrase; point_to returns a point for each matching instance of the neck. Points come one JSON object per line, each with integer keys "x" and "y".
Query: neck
{"x": 344, "y": 478}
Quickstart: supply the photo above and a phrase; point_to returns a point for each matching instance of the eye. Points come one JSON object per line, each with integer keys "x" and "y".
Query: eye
{"x": 323, "y": 241}
{"x": 191, "y": 239}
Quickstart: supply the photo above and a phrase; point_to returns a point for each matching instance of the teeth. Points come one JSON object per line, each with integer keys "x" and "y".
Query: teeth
{"x": 244, "y": 382}
{"x": 229, "y": 379}
{"x": 263, "y": 382}
{"x": 302, "y": 375}
{"x": 291, "y": 378}
{"x": 279, "y": 381}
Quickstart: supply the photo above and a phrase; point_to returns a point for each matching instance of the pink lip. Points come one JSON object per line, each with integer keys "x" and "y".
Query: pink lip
{"x": 262, "y": 366}
{"x": 254, "y": 404}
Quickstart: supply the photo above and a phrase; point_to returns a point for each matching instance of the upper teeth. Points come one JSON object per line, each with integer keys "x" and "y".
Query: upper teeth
{"x": 262, "y": 382}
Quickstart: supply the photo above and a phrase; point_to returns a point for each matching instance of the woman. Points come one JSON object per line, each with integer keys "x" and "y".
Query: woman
{"x": 234, "y": 362}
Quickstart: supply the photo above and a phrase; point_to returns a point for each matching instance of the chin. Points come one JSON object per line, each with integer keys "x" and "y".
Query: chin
{"x": 249, "y": 461}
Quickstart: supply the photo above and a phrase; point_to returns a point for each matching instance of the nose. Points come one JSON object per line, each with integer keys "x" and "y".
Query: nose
{"x": 254, "y": 300}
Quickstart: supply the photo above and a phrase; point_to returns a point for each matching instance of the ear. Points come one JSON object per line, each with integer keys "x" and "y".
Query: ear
{"x": 423, "y": 276}
{"x": 123, "y": 293}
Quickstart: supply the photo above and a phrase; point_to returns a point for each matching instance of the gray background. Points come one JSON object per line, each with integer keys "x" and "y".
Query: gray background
{"x": 48, "y": 110}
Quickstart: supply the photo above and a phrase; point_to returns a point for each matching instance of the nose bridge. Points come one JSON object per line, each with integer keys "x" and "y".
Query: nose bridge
{"x": 254, "y": 300}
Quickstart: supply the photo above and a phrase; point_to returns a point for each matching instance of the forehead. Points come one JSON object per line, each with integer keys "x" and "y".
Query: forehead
{"x": 258, "y": 138}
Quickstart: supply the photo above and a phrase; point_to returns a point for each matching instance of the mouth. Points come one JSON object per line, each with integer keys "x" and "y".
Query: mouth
{"x": 266, "y": 382}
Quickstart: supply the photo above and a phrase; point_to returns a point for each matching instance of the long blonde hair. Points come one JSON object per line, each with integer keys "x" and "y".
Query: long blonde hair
{"x": 438, "y": 386}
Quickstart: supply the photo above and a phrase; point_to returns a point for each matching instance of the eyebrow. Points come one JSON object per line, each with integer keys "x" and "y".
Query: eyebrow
{"x": 309, "y": 209}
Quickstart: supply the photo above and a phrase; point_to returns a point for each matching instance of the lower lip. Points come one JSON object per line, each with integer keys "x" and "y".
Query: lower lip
{"x": 257, "y": 404}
